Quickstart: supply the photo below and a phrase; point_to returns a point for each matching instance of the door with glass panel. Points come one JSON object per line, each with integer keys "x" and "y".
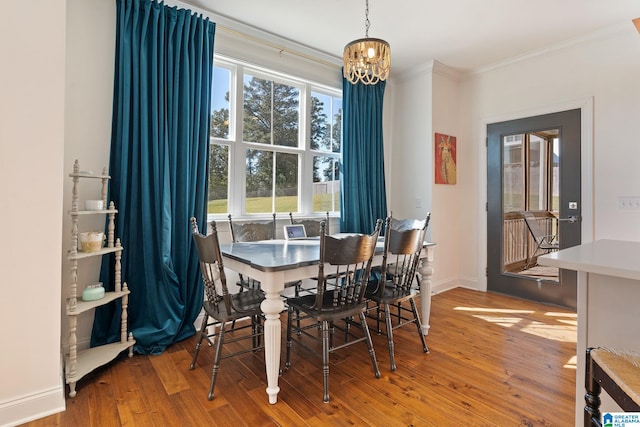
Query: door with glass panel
{"x": 533, "y": 171}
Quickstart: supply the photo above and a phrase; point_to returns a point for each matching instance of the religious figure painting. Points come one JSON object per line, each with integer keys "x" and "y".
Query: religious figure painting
{"x": 445, "y": 159}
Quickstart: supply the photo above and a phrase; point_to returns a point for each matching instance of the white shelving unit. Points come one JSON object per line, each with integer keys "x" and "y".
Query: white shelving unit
{"x": 79, "y": 363}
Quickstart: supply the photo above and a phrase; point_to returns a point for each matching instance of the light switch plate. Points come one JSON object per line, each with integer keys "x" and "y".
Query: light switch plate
{"x": 629, "y": 203}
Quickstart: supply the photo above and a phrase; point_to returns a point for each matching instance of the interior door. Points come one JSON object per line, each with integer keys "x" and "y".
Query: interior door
{"x": 533, "y": 164}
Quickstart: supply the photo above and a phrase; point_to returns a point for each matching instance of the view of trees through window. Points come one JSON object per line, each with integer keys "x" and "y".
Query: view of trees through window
{"x": 283, "y": 171}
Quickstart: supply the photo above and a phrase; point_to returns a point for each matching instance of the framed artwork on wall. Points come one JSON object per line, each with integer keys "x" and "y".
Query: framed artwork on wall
{"x": 445, "y": 159}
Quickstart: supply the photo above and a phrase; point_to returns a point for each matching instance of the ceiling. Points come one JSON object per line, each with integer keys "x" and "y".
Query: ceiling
{"x": 462, "y": 34}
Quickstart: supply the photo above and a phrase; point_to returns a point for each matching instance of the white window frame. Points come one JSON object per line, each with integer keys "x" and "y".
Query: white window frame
{"x": 237, "y": 147}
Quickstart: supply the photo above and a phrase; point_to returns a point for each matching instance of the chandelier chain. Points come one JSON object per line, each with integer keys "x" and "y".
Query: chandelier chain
{"x": 367, "y": 24}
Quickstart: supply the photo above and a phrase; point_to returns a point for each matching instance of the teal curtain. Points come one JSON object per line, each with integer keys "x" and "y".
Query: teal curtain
{"x": 363, "y": 194}
{"x": 158, "y": 166}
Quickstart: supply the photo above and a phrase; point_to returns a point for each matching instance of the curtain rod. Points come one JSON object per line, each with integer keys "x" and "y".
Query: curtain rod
{"x": 275, "y": 46}
{"x": 255, "y": 39}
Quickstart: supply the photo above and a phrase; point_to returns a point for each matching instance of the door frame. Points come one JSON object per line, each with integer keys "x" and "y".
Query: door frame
{"x": 586, "y": 175}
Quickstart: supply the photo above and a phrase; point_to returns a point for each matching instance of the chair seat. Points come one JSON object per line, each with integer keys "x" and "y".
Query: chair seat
{"x": 390, "y": 295}
{"x": 329, "y": 311}
{"x": 549, "y": 246}
{"x": 246, "y": 303}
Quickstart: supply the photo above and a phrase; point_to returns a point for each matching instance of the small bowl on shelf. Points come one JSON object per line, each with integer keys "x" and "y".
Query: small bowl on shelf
{"x": 93, "y": 291}
{"x": 91, "y": 241}
{"x": 93, "y": 205}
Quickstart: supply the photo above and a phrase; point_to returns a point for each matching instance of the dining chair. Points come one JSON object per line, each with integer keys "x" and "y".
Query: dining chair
{"x": 252, "y": 231}
{"x": 312, "y": 229}
{"x": 221, "y": 307}
{"x": 339, "y": 297}
{"x": 255, "y": 231}
{"x": 312, "y": 225}
{"x": 403, "y": 242}
{"x": 616, "y": 372}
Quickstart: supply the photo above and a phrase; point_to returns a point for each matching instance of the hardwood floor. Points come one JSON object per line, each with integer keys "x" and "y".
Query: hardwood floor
{"x": 493, "y": 361}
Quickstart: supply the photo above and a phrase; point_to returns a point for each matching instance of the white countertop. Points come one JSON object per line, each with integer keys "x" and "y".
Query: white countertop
{"x": 609, "y": 257}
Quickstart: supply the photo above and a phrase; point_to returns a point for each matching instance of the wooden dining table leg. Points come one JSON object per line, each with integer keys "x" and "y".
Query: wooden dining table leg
{"x": 272, "y": 306}
{"x": 425, "y": 271}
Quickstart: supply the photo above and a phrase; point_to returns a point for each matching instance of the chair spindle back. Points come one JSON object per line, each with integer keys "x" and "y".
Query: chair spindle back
{"x": 252, "y": 231}
{"x": 348, "y": 260}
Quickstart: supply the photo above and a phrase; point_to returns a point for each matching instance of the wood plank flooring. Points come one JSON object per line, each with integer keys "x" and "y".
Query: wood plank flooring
{"x": 493, "y": 361}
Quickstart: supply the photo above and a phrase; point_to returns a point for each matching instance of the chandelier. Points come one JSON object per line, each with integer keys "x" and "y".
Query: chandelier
{"x": 367, "y": 60}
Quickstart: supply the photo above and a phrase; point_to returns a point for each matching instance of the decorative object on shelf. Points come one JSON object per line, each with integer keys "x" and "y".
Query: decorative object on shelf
{"x": 367, "y": 60}
{"x": 91, "y": 241}
{"x": 93, "y": 292}
{"x": 94, "y": 205}
{"x": 87, "y": 245}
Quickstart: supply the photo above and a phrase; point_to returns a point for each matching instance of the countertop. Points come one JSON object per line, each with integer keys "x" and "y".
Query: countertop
{"x": 609, "y": 257}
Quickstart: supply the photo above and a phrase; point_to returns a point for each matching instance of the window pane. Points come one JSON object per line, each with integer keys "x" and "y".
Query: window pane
{"x": 259, "y": 188}
{"x": 336, "y": 133}
{"x": 512, "y": 174}
{"x": 320, "y": 127}
{"x": 537, "y": 181}
{"x": 218, "y": 179}
{"x": 555, "y": 183}
{"x": 286, "y": 115}
{"x": 286, "y": 182}
{"x": 271, "y": 112}
{"x": 326, "y": 122}
{"x": 326, "y": 184}
{"x": 219, "y": 127}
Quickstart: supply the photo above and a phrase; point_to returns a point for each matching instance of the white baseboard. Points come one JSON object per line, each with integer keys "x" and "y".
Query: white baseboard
{"x": 469, "y": 283}
{"x": 448, "y": 284}
{"x": 32, "y": 407}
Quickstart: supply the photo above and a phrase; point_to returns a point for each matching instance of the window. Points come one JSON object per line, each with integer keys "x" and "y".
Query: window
{"x": 326, "y": 128}
{"x": 282, "y": 153}
{"x": 530, "y": 171}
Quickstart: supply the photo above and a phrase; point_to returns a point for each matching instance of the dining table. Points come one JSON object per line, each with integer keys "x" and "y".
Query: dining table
{"x": 276, "y": 262}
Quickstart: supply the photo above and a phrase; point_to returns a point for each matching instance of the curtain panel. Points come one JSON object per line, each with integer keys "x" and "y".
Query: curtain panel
{"x": 363, "y": 194}
{"x": 158, "y": 165}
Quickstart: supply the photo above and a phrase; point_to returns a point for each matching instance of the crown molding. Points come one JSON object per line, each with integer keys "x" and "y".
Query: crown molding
{"x": 601, "y": 34}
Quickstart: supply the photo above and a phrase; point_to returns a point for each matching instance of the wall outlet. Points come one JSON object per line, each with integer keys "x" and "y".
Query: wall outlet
{"x": 629, "y": 203}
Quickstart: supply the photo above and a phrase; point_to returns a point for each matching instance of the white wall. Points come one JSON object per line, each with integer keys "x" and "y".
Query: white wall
{"x": 410, "y": 145}
{"x": 427, "y": 101}
{"x": 449, "y": 223}
{"x": 89, "y": 96}
{"x": 603, "y": 69}
{"x": 32, "y": 47}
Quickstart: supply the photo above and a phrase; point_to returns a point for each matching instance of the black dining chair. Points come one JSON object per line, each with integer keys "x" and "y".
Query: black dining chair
{"x": 312, "y": 225}
{"x": 339, "y": 298}
{"x": 616, "y": 372}
{"x": 254, "y": 231}
{"x": 222, "y": 307}
{"x": 403, "y": 242}
{"x": 312, "y": 229}
{"x": 251, "y": 231}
